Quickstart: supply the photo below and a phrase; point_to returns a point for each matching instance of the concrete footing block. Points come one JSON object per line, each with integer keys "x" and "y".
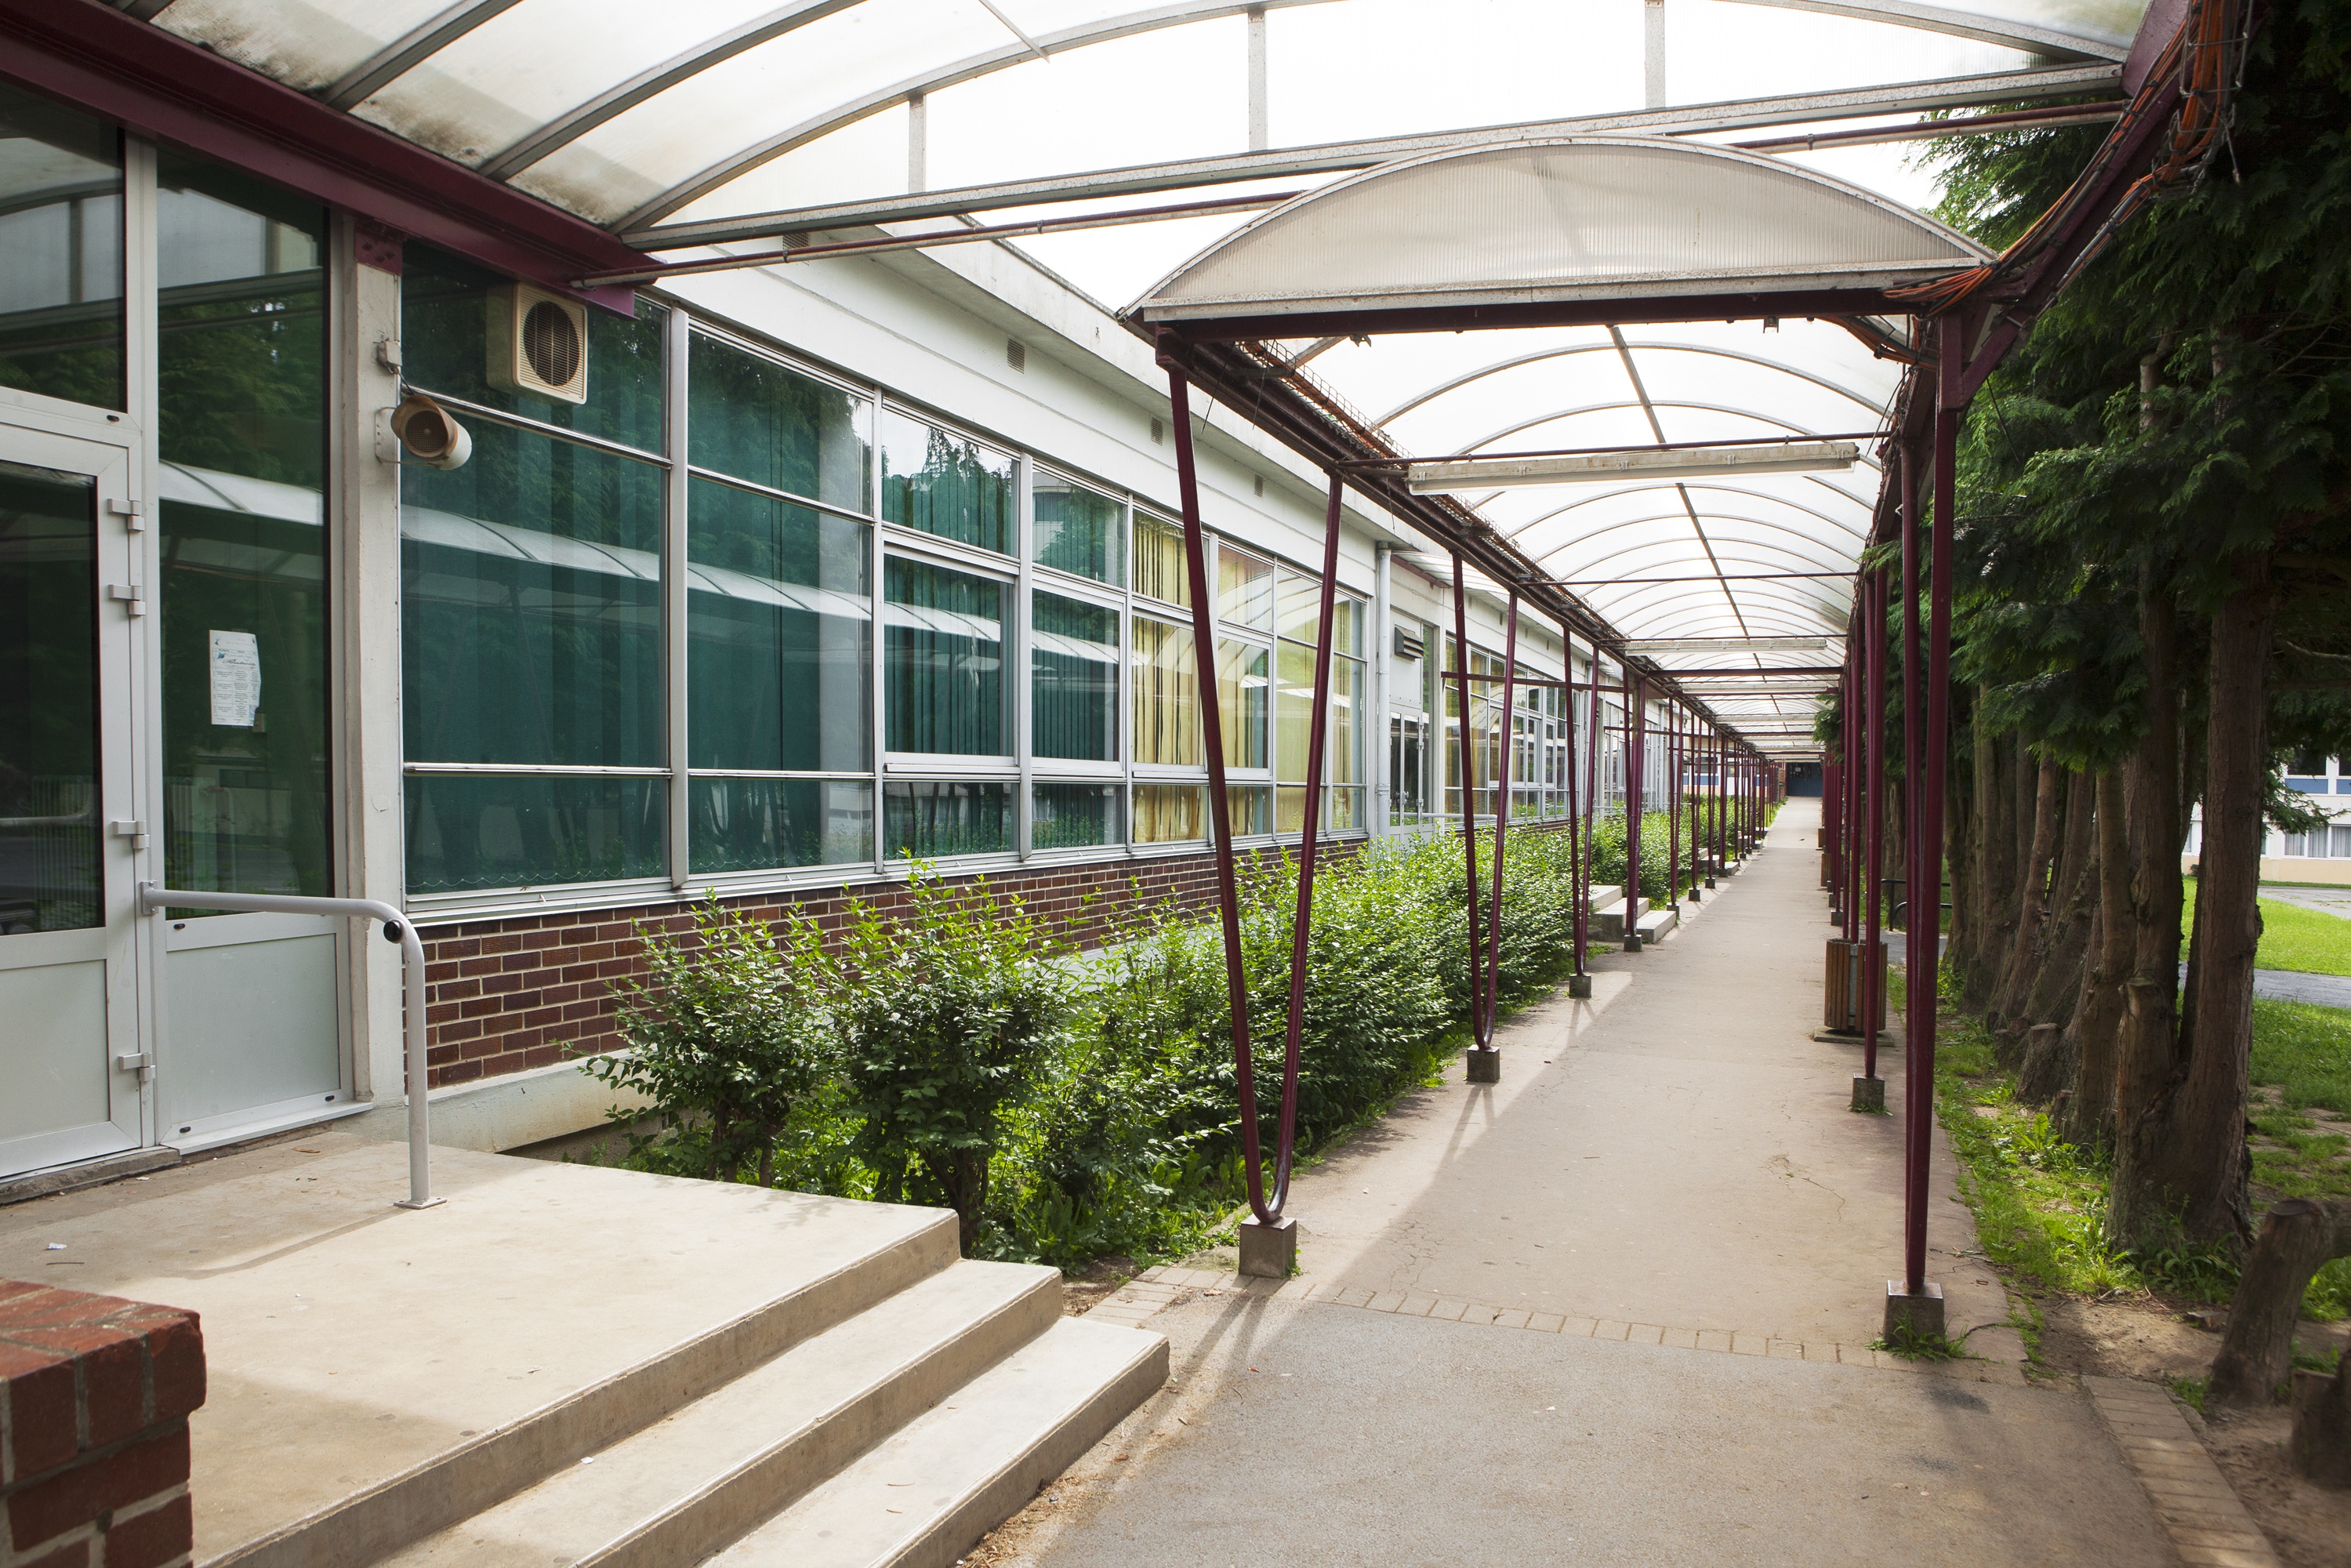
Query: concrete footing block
{"x": 1632, "y": 941}
{"x": 1695, "y": 895}
{"x": 1710, "y": 884}
{"x": 1485, "y": 1064}
{"x": 1579, "y": 986}
{"x": 1270, "y": 1251}
{"x": 1869, "y": 1093}
{"x": 1919, "y": 1316}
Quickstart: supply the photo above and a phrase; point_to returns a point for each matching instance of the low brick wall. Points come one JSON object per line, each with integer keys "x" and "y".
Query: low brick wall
{"x": 95, "y": 1393}
{"x": 508, "y": 994}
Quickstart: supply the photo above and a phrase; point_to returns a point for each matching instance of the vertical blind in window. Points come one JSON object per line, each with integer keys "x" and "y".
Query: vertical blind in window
{"x": 945, "y": 484}
{"x": 943, "y": 661}
{"x": 748, "y": 416}
{"x": 1166, "y": 695}
{"x": 1073, "y": 679}
{"x": 1078, "y": 531}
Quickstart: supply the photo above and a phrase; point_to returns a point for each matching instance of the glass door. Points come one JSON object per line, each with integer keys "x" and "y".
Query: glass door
{"x": 71, "y": 1056}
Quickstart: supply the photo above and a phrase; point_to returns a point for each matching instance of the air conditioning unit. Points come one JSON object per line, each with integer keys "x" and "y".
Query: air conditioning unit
{"x": 537, "y": 343}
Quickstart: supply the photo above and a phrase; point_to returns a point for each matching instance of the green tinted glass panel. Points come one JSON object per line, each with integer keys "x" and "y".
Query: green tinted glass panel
{"x": 758, "y": 420}
{"x": 920, "y": 821}
{"x": 531, "y": 605}
{"x": 60, "y": 252}
{"x": 943, "y": 661}
{"x": 1073, "y": 816}
{"x": 945, "y": 484}
{"x": 1073, "y": 679}
{"x": 759, "y": 824}
{"x": 780, "y": 672}
{"x": 471, "y": 830}
{"x": 1078, "y": 531}
{"x": 49, "y": 827}
{"x": 446, "y": 316}
{"x": 240, "y": 364}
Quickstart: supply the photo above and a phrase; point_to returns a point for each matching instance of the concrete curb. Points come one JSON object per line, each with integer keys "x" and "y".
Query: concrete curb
{"x": 2200, "y": 1510}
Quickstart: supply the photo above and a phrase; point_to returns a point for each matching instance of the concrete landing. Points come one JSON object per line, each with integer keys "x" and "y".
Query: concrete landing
{"x": 376, "y": 1375}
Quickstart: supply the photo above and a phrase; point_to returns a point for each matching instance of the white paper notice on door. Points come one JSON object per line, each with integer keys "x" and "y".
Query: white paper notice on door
{"x": 236, "y": 679}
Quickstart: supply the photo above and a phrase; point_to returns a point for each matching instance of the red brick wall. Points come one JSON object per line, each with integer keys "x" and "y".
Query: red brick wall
{"x": 94, "y": 1399}
{"x": 513, "y": 993}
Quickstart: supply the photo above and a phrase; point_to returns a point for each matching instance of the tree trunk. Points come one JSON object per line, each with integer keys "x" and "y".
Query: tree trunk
{"x": 2098, "y": 1017}
{"x": 2297, "y": 1240}
{"x": 2066, "y": 935}
{"x": 2007, "y": 1011}
{"x": 2208, "y": 1115}
{"x": 2322, "y": 1426}
{"x": 1997, "y": 853}
{"x": 2138, "y": 1206}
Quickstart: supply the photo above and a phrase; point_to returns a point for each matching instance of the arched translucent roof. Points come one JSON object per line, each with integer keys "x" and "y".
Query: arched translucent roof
{"x": 1561, "y": 218}
{"x": 699, "y": 122}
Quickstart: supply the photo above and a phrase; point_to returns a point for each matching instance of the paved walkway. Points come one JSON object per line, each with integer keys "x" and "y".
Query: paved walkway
{"x": 1615, "y": 1309}
{"x": 2325, "y": 900}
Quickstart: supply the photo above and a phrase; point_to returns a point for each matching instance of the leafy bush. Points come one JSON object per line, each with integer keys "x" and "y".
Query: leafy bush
{"x": 946, "y": 1015}
{"x": 1069, "y": 1107}
{"x": 727, "y": 1036}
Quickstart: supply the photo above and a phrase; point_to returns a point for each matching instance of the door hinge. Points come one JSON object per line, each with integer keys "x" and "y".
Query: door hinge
{"x": 131, "y": 594}
{"x": 134, "y": 1061}
{"x": 135, "y": 831}
{"x": 132, "y": 513}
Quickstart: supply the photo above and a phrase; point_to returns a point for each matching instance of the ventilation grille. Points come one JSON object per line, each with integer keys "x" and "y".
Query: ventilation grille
{"x": 1016, "y": 353}
{"x": 537, "y": 343}
{"x": 797, "y": 239}
{"x": 1260, "y": 484}
{"x": 1408, "y": 646}
{"x": 1158, "y": 432}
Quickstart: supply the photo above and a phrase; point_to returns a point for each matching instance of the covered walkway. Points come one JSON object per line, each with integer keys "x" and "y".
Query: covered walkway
{"x": 1616, "y": 1308}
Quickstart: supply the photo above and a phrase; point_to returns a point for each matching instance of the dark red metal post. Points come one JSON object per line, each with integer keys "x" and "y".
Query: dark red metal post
{"x": 1576, "y": 866}
{"x": 1478, "y": 1025}
{"x": 1849, "y": 735}
{"x": 1918, "y": 1075}
{"x": 1635, "y": 742}
{"x": 1590, "y": 810}
{"x": 1916, "y": 966}
{"x": 1873, "y": 832}
{"x": 1674, "y": 806}
{"x": 1493, "y": 965}
{"x": 1309, "y": 828}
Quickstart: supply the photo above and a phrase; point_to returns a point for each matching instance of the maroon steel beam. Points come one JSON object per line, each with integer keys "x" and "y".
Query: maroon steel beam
{"x": 1590, "y": 814}
{"x": 1873, "y": 974}
{"x": 1576, "y": 848}
{"x": 1918, "y": 1077}
{"x": 1662, "y": 310}
{"x": 1478, "y": 1027}
{"x": 1220, "y": 821}
{"x": 1849, "y": 895}
{"x": 1493, "y": 982}
{"x": 1309, "y": 828}
{"x": 1917, "y": 963}
{"x": 1636, "y": 725}
{"x": 160, "y": 85}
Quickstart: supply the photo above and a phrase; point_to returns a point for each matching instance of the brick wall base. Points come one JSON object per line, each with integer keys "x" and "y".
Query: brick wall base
{"x": 504, "y": 994}
{"x": 95, "y": 1393}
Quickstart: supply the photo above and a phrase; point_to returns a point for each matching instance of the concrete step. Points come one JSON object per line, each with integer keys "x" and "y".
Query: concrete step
{"x": 1608, "y": 918}
{"x": 1657, "y": 921}
{"x": 697, "y": 1479}
{"x": 925, "y": 1496}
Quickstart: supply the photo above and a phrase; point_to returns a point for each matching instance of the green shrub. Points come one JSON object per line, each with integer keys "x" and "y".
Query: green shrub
{"x": 947, "y": 1014}
{"x": 727, "y": 1036}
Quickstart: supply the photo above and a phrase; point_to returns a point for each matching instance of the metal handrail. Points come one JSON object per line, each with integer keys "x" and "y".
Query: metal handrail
{"x": 154, "y": 900}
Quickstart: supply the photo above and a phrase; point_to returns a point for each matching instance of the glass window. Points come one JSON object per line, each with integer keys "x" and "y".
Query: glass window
{"x": 1242, "y": 687}
{"x": 1159, "y": 570}
{"x": 1251, "y": 809}
{"x": 445, "y": 334}
{"x": 1073, "y": 816}
{"x": 945, "y": 484}
{"x": 2309, "y": 764}
{"x": 1078, "y": 531}
{"x": 943, "y": 655}
{"x": 531, "y": 605}
{"x": 779, "y": 669}
{"x": 924, "y": 819}
{"x": 240, "y": 352}
{"x": 1166, "y": 695}
{"x": 758, "y": 420}
{"x": 1293, "y": 710}
{"x": 50, "y": 870}
{"x": 1244, "y": 588}
{"x": 1170, "y": 813}
{"x": 1073, "y": 679}
{"x": 757, "y": 824}
{"x": 471, "y": 830}
{"x": 60, "y": 252}
{"x": 1298, "y": 612}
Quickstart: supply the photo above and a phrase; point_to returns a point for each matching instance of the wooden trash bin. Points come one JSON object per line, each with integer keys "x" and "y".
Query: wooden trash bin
{"x": 1841, "y": 986}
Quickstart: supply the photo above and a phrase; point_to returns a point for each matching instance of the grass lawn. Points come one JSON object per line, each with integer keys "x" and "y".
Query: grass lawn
{"x": 2040, "y": 1203}
{"x": 2292, "y": 937}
